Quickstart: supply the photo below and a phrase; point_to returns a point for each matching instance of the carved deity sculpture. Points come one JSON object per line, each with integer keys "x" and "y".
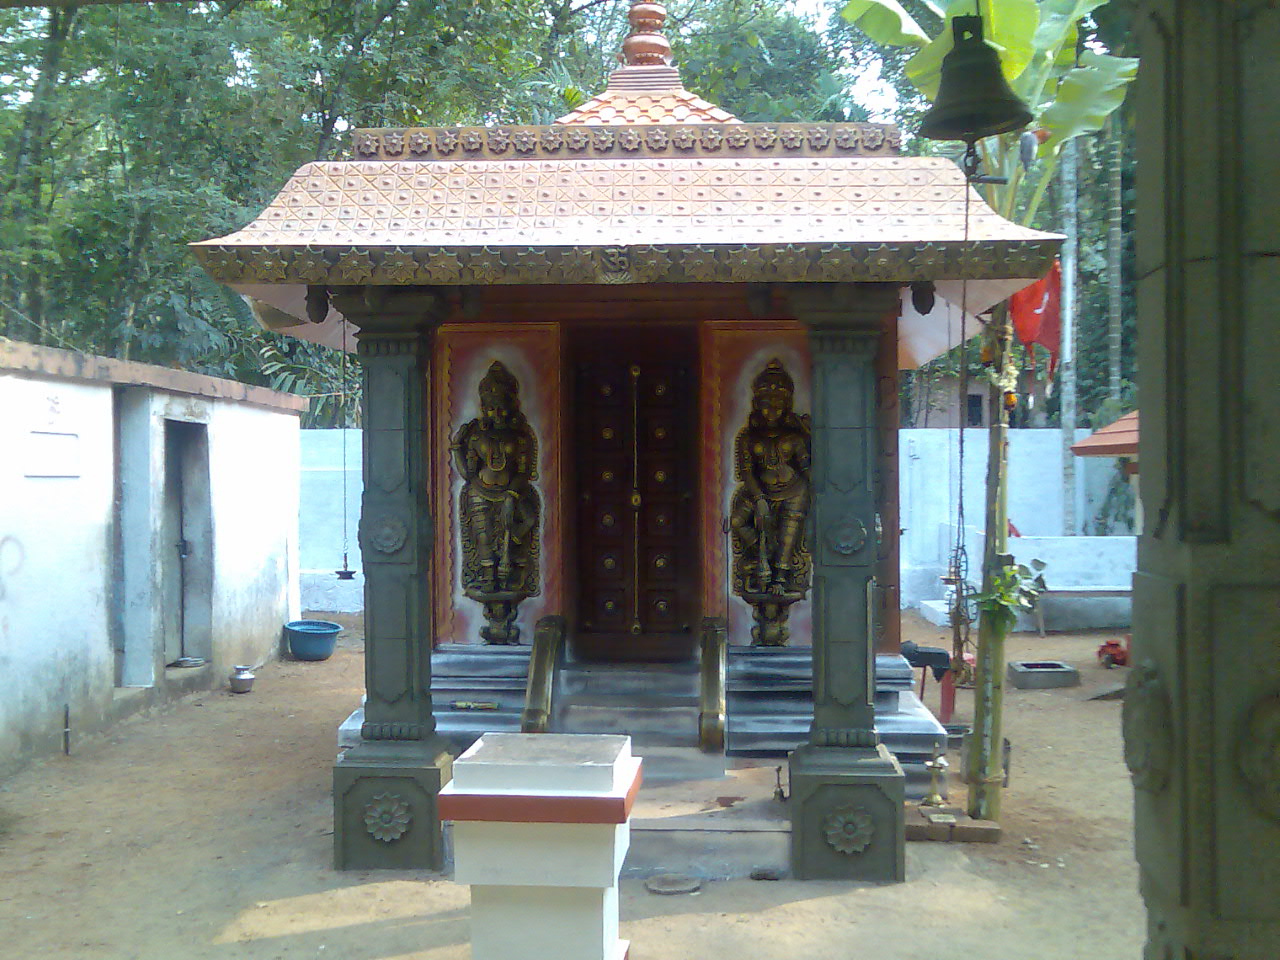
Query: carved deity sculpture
{"x": 498, "y": 510}
{"x": 770, "y": 506}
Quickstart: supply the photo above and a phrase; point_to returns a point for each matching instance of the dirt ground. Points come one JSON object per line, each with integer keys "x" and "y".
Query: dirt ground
{"x": 205, "y": 831}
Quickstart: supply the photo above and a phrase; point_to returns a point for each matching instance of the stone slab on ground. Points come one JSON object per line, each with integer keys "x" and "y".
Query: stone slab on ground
{"x": 949, "y": 825}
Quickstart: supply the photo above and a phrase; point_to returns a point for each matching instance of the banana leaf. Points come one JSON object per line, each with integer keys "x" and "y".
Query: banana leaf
{"x": 885, "y": 21}
{"x": 1087, "y": 95}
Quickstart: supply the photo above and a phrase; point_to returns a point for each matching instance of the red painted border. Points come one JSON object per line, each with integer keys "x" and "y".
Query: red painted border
{"x": 523, "y": 808}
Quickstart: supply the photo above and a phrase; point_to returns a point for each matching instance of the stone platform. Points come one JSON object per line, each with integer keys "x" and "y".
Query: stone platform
{"x": 769, "y": 693}
{"x": 770, "y": 707}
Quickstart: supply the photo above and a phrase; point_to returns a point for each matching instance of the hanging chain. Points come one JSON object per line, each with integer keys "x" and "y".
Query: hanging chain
{"x": 958, "y": 570}
{"x": 344, "y": 420}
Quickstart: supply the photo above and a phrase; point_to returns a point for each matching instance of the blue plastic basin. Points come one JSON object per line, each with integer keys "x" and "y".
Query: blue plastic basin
{"x": 311, "y": 639}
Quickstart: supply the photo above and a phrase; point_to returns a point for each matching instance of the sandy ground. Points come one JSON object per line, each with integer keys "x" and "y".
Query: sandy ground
{"x": 205, "y": 831}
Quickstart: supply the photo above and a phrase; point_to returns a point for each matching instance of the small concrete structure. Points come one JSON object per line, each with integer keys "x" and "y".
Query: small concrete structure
{"x": 930, "y": 485}
{"x": 541, "y": 827}
{"x": 1042, "y": 674}
{"x": 149, "y": 540}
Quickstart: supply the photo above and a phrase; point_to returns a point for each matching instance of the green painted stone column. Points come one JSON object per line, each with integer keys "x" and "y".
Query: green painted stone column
{"x": 1202, "y": 706}
{"x": 385, "y": 788}
{"x": 847, "y": 790}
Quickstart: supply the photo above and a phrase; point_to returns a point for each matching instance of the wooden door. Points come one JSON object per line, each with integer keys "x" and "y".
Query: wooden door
{"x": 637, "y": 556}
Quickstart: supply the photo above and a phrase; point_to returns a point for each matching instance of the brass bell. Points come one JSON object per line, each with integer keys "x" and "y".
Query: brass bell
{"x": 974, "y": 99}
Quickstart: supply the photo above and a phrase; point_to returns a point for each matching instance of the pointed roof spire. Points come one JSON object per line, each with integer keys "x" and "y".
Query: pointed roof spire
{"x": 647, "y": 88}
{"x": 646, "y": 46}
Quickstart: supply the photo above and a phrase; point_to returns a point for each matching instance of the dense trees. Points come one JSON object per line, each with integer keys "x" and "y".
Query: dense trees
{"x": 128, "y": 130}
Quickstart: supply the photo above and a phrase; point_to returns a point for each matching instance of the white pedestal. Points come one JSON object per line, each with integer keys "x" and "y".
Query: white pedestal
{"x": 541, "y": 827}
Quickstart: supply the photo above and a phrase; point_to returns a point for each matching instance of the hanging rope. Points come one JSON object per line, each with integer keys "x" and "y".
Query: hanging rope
{"x": 346, "y": 573}
{"x": 958, "y": 567}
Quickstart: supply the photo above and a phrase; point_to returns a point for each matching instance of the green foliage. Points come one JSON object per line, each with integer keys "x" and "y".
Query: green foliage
{"x": 1015, "y": 588}
{"x": 296, "y": 366}
{"x": 1086, "y": 96}
{"x": 887, "y": 22}
{"x": 1060, "y": 58}
{"x": 1038, "y": 44}
{"x": 129, "y": 130}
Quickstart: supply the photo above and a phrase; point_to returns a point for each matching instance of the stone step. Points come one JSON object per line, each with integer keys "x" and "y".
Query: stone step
{"x": 767, "y": 701}
{"x": 662, "y": 681}
{"x": 452, "y": 686}
{"x": 461, "y": 728}
{"x": 476, "y": 660}
{"x": 782, "y": 667}
{"x": 647, "y": 726}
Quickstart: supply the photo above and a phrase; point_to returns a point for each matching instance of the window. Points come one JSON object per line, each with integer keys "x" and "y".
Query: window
{"x": 973, "y": 410}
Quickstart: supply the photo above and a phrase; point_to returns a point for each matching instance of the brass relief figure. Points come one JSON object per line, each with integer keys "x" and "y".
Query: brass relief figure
{"x": 499, "y": 509}
{"x": 770, "y": 506}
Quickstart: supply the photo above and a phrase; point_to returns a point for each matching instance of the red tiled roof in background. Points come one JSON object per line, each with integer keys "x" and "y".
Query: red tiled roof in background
{"x": 1119, "y": 439}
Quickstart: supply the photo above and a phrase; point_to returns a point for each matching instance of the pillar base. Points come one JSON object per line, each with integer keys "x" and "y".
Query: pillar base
{"x": 385, "y": 813}
{"x": 847, "y": 819}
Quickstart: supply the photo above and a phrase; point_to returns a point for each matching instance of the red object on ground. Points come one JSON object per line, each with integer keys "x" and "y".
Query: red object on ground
{"x": 947, "y": 690}
{"x": 947, "y": 697}
{"x": 1115, "y": 654}
{"x": 1037, "y": 316}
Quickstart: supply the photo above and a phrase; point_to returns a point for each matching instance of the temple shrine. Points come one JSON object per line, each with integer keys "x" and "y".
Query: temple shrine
{"x": 630, "y": 427}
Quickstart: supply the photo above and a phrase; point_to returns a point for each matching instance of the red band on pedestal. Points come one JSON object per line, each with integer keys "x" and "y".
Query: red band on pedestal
{"x": 538, "y": 808}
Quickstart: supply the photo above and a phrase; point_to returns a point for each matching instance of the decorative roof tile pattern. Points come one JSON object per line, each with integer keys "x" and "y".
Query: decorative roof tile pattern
{"x": 571, "y": 202}
{"x": 616, "y": 107}
{"x": 629, "y": 141}
{"x": 647, "y": 89}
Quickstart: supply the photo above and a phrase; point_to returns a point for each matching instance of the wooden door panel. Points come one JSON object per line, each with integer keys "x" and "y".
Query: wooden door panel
{"x": 637, "y": 558}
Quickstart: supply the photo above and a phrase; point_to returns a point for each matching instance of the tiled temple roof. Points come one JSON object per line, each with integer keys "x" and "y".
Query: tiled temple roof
{"x": 629, "y": 189}
{"x": 455, "y": 206}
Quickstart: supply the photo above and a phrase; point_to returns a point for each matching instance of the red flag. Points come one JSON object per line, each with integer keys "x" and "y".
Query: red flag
{"x": 1037, "y": 314}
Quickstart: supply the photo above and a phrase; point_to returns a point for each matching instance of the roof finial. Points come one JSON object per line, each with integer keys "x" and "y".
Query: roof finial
{"x": 646, "y": 46}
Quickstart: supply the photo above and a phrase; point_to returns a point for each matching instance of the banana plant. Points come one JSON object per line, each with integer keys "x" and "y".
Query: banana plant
{"x": 1069, "y": 91}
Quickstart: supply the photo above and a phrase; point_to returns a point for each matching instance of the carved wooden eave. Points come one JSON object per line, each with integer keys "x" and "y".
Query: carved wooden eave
{"x": 640, "y": 204}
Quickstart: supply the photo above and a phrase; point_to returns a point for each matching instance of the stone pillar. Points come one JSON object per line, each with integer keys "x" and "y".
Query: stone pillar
{"x": 1202, "y": 710}
{"x": 385, "y": 788}
{"x": 846, "y": 788}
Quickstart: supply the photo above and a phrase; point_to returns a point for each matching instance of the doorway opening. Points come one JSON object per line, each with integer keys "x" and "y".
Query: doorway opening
{"x": 635, "y": 490}
{"x": 186, "y": 545}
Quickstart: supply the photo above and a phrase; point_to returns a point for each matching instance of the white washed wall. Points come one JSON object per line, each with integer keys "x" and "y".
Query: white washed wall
{"x": 929, "y": 482}
{"x": 56, "y": 488}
